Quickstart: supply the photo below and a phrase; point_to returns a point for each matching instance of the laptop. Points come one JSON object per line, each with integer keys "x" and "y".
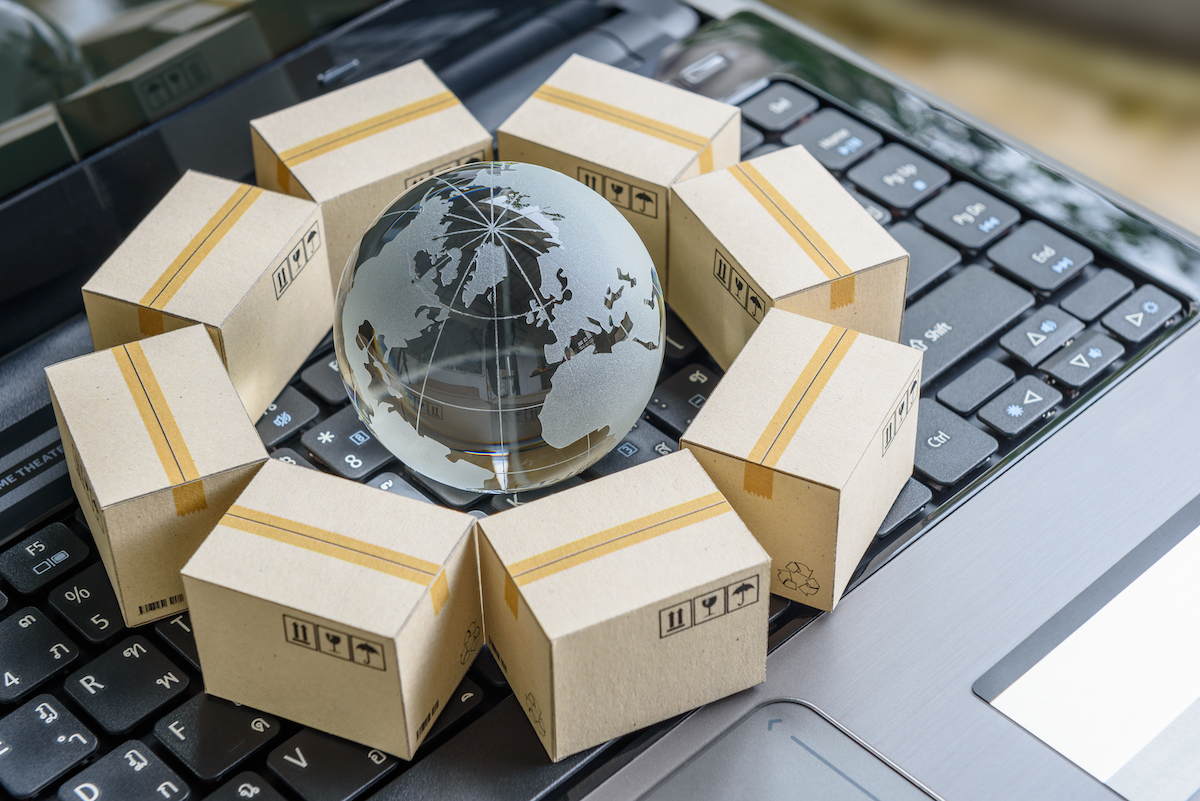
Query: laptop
{"x": 1010, "y": 633}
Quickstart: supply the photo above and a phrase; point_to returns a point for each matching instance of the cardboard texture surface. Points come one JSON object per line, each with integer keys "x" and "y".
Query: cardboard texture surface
{"x": 250, "y": 265}
{"x": 168, "y": 77}
{"x": 623, "y": 602}
{"x": 337, "y": 605}
{"x": 155, "y": 471}
{"x": 626, "y": 136}
{"x": 779, "y": 231}
{"x": 811, "y": 435}
{"x": 356, "y": 150}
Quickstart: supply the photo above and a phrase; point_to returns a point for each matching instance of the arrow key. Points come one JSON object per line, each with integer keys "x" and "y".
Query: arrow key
{"x": 1020, "y": 406}
{"x": 1141, "y": 314}
{"x": 1040, "y": 334}
{"x": 1083, "y": 361}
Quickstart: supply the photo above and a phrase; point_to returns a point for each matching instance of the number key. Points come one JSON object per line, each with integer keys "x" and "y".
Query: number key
{"x": 345, "y": 445}
{"x": 32, "y": 649}
{"x": 89, "y": 604}
{"x": 290, "y": 411}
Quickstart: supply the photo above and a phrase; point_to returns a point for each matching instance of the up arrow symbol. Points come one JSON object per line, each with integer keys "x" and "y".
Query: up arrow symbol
{"x": 1036, "y": 339}
{"x": 1136, "y": 319}
{"x": 1031, "y": 397}
{"x": 1079, "y": 361}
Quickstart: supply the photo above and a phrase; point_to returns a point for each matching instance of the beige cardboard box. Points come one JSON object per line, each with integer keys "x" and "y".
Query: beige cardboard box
{"x": 811, "y": 435}
{"x": 32, "y": 146}
{"x": 161, "y": 81}
{"x": 779, "y": 231}
{"x": 622, "y": 602}
{"x": 341, "y": 607}
{"x": 356, "y": 150}
{"x": 158, "y": 446}
{"x": 626, "y": 136}
{"x": 248, "y": 264}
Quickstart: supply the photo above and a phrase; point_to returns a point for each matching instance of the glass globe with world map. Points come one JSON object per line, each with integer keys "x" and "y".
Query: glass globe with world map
{"x": 499, "y": 327}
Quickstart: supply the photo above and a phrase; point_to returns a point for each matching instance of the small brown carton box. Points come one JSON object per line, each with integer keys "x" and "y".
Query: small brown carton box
{"x": 248, "y": 264}
{"x": 811, "y": 435}
{"x": 623, "y": 602}
{"x": 626, "y": 136}
{"x": 158, "y": 446}
{"x": 358, "y": 148}
{"x": 341, "y": 607}
{"x": 779, "y": 231}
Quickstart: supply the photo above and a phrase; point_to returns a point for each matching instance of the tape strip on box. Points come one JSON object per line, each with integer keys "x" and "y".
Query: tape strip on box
{"x": 841, "y": 292}
{"x": 164, "y": 432}
{"x": 630, "y": 120}
{"x": 150, "y": 307}
{"x": 759, "y": 476}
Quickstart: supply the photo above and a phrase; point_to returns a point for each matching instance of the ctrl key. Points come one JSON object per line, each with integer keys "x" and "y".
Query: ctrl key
{"x": 130, "y": 772}
{"x": 948, "y": 447}
{"x": 39, "y": 743}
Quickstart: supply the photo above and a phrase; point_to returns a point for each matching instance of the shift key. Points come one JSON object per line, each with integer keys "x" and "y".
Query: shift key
{"x": 959, "y": 316}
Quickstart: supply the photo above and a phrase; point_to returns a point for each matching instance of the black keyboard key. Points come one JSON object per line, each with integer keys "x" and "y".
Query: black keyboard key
{"x": 762, "y": 150}
{"x": 130, "y": 772}
{"x": 41, "y": 558}
{"x": 3, "y": 601}
{"x": 878, "y": 212}
{"x": 981, "y": 381}
{"x": 325, "y": 381}
{"x": 511, "y": 500}
{"x": 453, "y": 497}
{"x": 486, "y": 670}
{"x": 1017, "y": 408}
{"x": 320, "y": 767}
{"x": 89, "y": 604}
{"x": 177, "y": 631}
{"x": 126, "y": 684}
{"x": 776, "y": 609}
{"x": 948, "y": 447}
{"x": 390, "y": 482}
{"x": 751, "y": 138}
{"x": 211, "y": 737}
{"x": 1142, "y": 314}
{"x": 908, "y": 503}
{"x": 898, "y": 177}
{"x": 498, "y": 757}
{"x": 1098, "y": 295}
{"x": 680, "y": 343}
{"x": 834, "y": 139}
{"x": 287, "y": 415}
{"x": 959, "y": 316}
{"x": 1036, "y": 337}
{"x": 291, "y": 457}
{"x": 778, "y": 107}
{"x": 642, "y": 444}
{"x": 1085, "y": 360}
{"x": 345, "y": 445}
{"x": 39, "y": 743}
{"x": 32, "y": 649}
{"x": 243, "y": 786}
{"x": 968, "y": 216}
{"x": 466, "y": 698}
{"x": 676, "y": 401}
{"x": 1040, "y": 257}
{"x": 929, "y": 257}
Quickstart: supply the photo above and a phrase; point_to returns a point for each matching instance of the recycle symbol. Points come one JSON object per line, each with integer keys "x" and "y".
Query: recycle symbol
{"x": 535, "y": 713}
{"x": 797, "y": 576}
{"x": 470, "y": 641}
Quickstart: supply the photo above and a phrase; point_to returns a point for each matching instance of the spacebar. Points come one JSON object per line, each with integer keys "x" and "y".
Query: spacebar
{"x": 496, "y": 757}
{"x": 959, "y": 316}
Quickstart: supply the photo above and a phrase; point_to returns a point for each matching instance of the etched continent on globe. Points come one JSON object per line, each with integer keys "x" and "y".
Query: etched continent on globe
{"x": 500, "y": 327}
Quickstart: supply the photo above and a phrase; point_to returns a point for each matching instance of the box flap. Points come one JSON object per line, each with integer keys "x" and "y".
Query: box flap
{"x": 332, "y": 548}
{"x": 630, "y": 123}
{"x": 633, "y": 539}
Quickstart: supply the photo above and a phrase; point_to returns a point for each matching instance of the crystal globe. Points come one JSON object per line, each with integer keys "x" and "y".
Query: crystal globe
{"x": 499, "y": 327}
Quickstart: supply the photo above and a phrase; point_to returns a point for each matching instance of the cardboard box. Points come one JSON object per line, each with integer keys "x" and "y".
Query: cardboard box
{"x": 811, "y": 435}
{"x": 250, "y": 265}
{"x": 779, "y": 231}
{"x": 356, "y": 150}
{"x": 338, "y": 606}
{"x": 623, "y": 602}
{"x": 626, "y": 136}
{"x": 32, "y": 146}
{"x": 165, "y": 79}
{"x": 158, "y": 446}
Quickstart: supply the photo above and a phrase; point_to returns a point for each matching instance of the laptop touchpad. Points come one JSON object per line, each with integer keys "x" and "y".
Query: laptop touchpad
{"x": 787, "y": 750}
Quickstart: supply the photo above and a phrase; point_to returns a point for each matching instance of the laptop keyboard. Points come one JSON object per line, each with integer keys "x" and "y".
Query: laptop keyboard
{"x": 1016, "y": 321}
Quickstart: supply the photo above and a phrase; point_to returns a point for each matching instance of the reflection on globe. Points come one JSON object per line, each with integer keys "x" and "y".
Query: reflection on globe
{"x": 500, "y": 327}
